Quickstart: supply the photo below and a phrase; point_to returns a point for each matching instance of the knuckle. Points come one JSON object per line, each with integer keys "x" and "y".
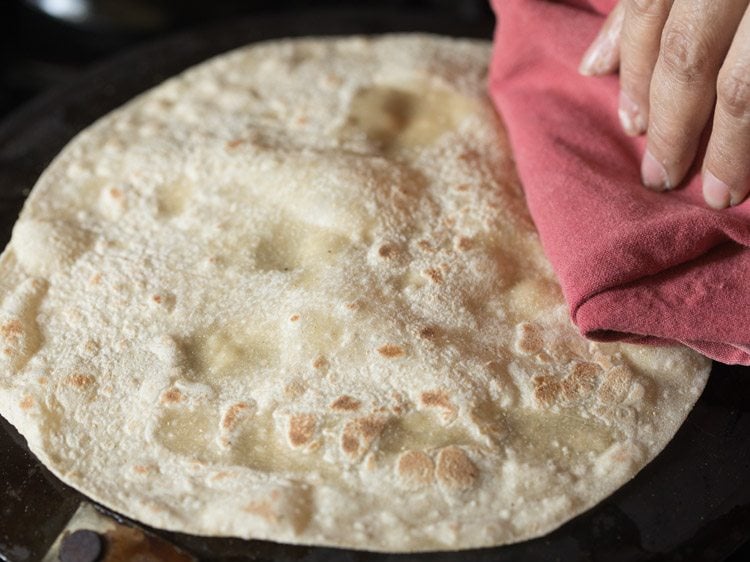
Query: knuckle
{"x": 733, "y": 91}
{"x": 684, "y": 54}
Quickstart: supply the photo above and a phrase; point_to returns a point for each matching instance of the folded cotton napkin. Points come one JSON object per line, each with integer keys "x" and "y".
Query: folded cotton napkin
{"x": 634, "y": 265}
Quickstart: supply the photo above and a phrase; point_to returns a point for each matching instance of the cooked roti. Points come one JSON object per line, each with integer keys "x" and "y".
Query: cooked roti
{"x": 294, "y": 294}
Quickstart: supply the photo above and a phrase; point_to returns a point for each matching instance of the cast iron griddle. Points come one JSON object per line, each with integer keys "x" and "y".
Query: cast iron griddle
{"x": 691, "y": 503}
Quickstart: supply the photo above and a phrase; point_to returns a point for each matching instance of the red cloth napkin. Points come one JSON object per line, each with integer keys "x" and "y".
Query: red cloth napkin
{"x": 634, "y": 265}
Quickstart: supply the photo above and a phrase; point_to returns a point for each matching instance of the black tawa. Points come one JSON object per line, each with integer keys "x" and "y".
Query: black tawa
{"x": 691, "y": 503}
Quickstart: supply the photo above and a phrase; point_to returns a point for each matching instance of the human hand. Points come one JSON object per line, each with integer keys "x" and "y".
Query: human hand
{"x": 680, "y": 61}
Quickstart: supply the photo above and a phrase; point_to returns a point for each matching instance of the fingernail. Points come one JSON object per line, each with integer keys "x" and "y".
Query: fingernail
{"x": 715, "y": 192}
{"x": 631, "y": 117}
{"x": 594, "y": 60}
{"x": 654, "y": 174}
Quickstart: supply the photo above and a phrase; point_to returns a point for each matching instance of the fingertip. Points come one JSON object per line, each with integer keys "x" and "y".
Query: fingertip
{"x": 716, "y": 193}
{"x": 584, "y": 69}
{"x": 654, "y": 174}
{"x": 631, "y": 117}
{"x": 592, "y": 63}
{"x": 603, "y": 54}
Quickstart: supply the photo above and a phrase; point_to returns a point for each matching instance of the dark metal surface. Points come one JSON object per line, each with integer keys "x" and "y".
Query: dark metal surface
{"x": 691, "y": 503}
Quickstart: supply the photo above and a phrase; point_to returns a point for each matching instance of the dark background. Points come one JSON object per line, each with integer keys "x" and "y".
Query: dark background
{"x": 48, "y": 43}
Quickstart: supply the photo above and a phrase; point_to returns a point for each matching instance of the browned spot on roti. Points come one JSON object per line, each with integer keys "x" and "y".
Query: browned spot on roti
{"x": 234, "y": 143}
{"x": 464, "y": 244}
{"x": 346, "y": 403}
{"x": 12, "y": 329}
{"x": 581, "y": 381}
{"x": 26, "y": 403}
{"x": 171, "y": 396}
{"x": 294, "y": 317}
{"x": 415, "y": 469}
{"x": 546, "y": 390}
{"x": 433, "y": 275}
{"x": 294, "y": 389}
{"x": 360, "y": 433}
{"x": 615, "y": 386}
{"x": 425, "y": 246}
{"x": 320, "y": 362}
{"x": 391, "y": 350}
{"x": 462, "y": 187}
{"x": 428, "y": 332}
{"x": 455, "y": 470}
{"x": 79, "y": 381}
{"x": 349, "y": 444}
{"x": 115, "y": 193}
{"x": 234, "y": 414}
{"x": 386, "y": 251}
{"x": 440, "y": 399}
{"x": 301, "y": 429}
{"x": 157, "y": 299}
{"x": 95, "y": 279}
{"x": 529, "y": 339}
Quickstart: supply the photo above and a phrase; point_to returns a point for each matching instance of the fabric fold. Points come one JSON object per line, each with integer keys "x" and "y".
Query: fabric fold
{"x": 634, "y": 265}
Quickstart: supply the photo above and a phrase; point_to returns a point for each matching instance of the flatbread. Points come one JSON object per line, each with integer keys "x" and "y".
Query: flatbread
{"x": 294, "y": 294}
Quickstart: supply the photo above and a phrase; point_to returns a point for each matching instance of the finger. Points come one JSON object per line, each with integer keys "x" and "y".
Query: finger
{"x": 726, "y": 176}
{"x": 603, "y": 55}
{"x": 639, "y": 49}
{"x": 694, "y": 43}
